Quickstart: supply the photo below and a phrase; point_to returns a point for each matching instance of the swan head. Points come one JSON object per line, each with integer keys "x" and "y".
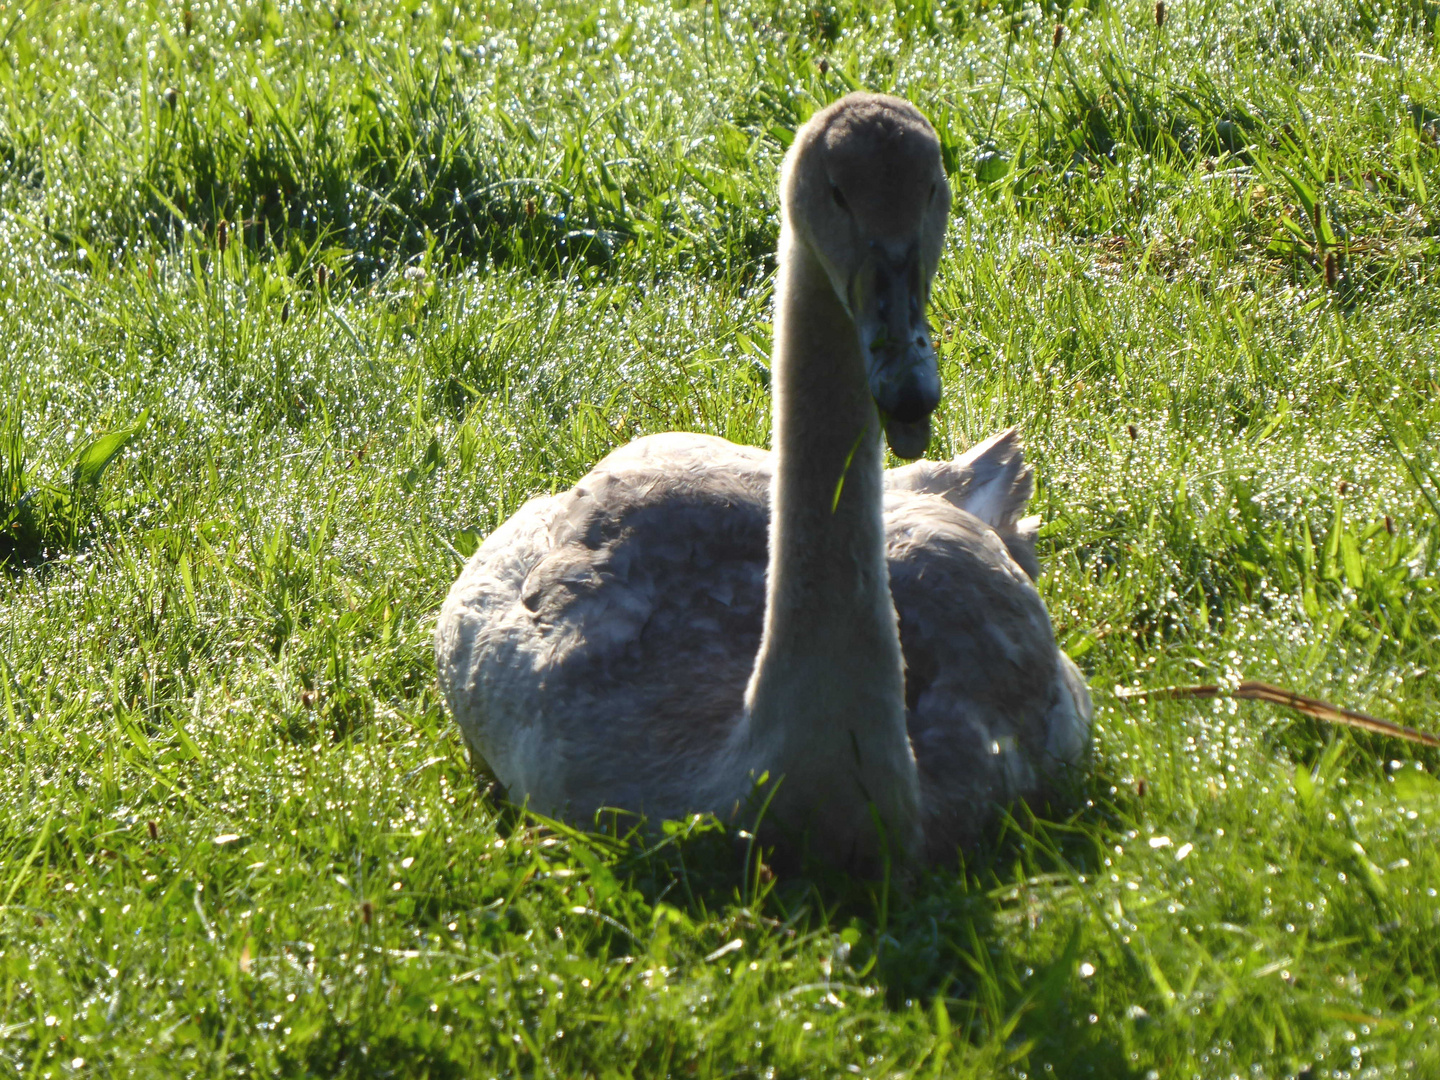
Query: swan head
{"x": 864, "y": 189}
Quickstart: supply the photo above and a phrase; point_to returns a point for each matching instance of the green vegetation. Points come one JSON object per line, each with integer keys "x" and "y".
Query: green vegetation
{"x": 299, "y": 301}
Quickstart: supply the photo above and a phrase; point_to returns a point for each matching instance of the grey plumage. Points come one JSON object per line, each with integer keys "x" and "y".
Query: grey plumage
{"x": 640, "y": 593}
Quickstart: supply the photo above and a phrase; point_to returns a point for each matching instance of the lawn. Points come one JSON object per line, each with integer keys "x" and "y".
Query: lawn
{"x": 298, "y": 301}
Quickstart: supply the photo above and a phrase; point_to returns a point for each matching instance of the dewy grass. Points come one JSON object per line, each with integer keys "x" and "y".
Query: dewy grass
{"x": 468, "y": 252}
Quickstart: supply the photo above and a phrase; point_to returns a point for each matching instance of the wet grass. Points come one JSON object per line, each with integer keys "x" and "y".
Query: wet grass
{"x": 298, "y": 302}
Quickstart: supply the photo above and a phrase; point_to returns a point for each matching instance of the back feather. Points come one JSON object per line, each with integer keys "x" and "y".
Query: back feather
{"x": 991, "y": 481}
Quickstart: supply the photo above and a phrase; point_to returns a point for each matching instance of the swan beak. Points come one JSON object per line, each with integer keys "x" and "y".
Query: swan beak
{"x": 887, "y": 299}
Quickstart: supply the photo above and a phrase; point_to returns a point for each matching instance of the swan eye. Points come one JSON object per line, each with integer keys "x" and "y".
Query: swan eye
{"x": 839, "y": 197}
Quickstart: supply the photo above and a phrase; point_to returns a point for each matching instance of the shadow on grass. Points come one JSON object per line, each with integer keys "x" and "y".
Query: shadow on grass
{"x": 42, "y": 517}
{"x": 966, "y": 942}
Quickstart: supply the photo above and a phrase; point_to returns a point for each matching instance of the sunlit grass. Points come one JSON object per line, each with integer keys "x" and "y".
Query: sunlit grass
{"x": 464, "y": 254}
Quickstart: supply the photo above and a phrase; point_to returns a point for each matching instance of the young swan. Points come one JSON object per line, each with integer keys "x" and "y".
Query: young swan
{"x": 655, "y": 639}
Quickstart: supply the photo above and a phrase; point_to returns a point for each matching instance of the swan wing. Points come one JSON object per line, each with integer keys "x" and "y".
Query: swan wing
{"x": 596, "y": 649}
{"x": 995, "y": 710}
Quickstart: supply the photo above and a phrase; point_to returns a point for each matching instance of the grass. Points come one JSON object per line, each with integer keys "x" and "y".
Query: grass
{"x": 298, "y": 301}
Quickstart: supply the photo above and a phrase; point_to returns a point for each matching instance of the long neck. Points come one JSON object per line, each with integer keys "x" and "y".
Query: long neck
{"x": 827, "y": 573}
{"x": 825, "y": 702}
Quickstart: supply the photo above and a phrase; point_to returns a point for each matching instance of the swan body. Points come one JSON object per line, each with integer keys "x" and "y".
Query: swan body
{"x": 698, "y": 625}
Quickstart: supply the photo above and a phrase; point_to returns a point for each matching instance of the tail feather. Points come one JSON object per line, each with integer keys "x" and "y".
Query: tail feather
{"x": 990, "y": 480}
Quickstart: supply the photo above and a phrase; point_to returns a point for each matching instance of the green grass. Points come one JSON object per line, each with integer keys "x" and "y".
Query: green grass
{"x": 464, "y": 254}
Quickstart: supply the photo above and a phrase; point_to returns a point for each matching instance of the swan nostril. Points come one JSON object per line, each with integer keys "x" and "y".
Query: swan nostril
{"x": 839, "y": 197}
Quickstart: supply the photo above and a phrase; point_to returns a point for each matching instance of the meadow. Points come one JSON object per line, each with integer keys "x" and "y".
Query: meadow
{"x": 298, "y": 301}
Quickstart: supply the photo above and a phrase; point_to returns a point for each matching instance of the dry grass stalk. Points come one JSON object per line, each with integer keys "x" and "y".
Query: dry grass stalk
{"x": 1311, "y": 707}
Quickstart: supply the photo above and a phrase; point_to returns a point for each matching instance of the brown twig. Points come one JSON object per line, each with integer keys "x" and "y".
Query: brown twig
{"x": 1311, "y": 707}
